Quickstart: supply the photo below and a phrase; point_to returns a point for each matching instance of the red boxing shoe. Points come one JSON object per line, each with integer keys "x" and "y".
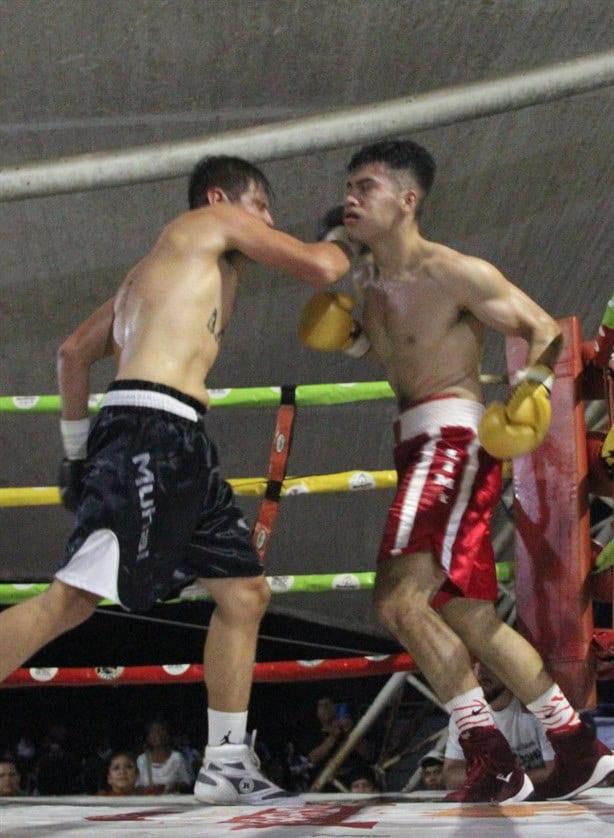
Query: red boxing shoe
{"x": 494, "y": 774}
{"x": 581, "y": 762}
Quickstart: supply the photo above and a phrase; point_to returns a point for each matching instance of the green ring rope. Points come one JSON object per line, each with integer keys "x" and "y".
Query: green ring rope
{"x": 12, "y": 593}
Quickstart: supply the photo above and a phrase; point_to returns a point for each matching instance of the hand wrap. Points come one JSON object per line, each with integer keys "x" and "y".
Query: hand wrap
{"x": 72, "y": 468}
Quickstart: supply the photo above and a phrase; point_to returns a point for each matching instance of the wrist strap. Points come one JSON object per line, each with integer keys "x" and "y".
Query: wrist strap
{"x": 360, "y": 347}
{"x": 541, "y": 374}
{"x": 74, "y": 437}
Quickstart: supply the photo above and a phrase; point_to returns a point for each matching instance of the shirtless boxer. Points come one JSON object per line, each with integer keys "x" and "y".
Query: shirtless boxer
{"x": 153, "y": 513}
{"x": 426, "y": 307}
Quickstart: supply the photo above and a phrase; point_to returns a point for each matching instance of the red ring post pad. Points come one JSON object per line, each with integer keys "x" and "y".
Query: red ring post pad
{"x": 552, "y": 541}
{"x": 186, "y": 673}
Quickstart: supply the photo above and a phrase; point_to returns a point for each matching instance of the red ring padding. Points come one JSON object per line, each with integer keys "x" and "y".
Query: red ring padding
{"x": 275, "y": 672}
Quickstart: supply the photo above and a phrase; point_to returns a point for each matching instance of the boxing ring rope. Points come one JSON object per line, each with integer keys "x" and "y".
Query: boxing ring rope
{"x": 307, "y": 395}
{"x": 320, "y": 132}
{"x": 13, "y": 592}
{"x": 192, "y": 673}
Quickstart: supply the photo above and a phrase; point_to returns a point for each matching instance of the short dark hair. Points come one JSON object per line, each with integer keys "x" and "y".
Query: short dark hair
{"x": 121, "y": 752}
{"x": 398, "y": 154}
{"x": 232, "y": 174}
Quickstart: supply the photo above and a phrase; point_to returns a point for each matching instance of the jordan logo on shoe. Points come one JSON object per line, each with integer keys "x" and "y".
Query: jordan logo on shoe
{"x": 226, "y": 739}
{"x": 505, "y": 778}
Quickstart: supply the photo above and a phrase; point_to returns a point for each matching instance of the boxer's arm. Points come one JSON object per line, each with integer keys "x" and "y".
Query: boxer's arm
{"x": 89, "y": 342}
{"x": 225, "y": 227}
{"x": 520, "y": 425}
{"x": 482, "y": 289}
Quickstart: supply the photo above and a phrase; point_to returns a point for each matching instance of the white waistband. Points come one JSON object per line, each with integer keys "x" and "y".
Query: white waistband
{"x": 432, "y": 415}
{"x": 149, "y": 398}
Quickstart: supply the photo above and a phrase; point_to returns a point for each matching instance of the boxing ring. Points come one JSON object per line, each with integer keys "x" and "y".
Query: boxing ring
{"x": 387, "y": 814}
{"x": 576, "y": 657}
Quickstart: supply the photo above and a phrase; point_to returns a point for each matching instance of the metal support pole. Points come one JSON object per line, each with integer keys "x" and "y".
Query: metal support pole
{"x": 382, "y": 699}
{"x": 320, "y": 132}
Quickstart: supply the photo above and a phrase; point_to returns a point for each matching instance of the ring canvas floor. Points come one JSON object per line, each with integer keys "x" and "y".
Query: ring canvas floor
{"x": 322, "y": 816}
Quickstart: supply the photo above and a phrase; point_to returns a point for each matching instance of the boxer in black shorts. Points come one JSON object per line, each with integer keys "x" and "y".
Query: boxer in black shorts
{"x": 152, "y": 513}
{"x": 149, "y": 462}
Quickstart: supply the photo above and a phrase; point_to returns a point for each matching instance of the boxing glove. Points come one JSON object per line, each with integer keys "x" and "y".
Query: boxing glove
{"x": 331, "y": 229}
{"x": 72, "y": 468}
{"x": 70, "y": 480}
{"x": 331, "y": 219}
{"x": 517, "y": 427}
{"x": 607, "y": 450}
{"x": 327, "y": 325}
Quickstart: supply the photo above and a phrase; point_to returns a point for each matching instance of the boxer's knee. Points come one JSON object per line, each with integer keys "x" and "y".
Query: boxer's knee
{"x": 242, "y": 599}
{"x": 66, "y": 607}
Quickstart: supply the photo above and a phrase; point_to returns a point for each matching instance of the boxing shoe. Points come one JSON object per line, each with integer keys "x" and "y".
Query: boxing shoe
{"x": 581, "y": 762}
{"x": 494, "y": 774}
{"x": 230, "y": 776}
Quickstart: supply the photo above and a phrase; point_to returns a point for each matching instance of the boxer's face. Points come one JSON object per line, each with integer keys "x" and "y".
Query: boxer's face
{"x": 375, "y": 201}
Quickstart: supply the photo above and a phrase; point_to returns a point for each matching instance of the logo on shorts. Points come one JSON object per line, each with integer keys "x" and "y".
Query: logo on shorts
{"x": 145, "y": 486}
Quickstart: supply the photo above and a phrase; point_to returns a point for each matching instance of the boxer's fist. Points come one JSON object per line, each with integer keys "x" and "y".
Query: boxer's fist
{"x": 327, "y": 325}
{"x": 331, "y": 229}
{"x": 517, "y": 427}
{"x": 70, "y": 480}
{"x": 331, "y": 219}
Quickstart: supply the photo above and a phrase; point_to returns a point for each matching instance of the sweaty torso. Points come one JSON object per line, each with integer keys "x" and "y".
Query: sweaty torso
{"x": 171, "y": 312}
{"x": 428, "y": 345}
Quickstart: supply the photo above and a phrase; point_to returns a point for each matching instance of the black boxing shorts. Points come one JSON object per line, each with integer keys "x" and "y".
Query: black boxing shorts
{"x": 155, "y": 514}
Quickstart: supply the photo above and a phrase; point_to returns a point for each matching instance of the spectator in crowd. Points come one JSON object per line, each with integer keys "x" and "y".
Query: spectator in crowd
{"x": 192, "y": 756}
{"x": 363, "y": 782}
{"x": 122, "y": 776}
{"x": 95, "y": 764}
{"x": 432, "y": 771}
{"x": 26, "y": 755}
{"x": 161, "y": 768}
{"x": 522, "y": 730}
{"x": 335, "y": 724}
{"x": 297, "y": 770}
{"x": 9, "y": 777}
{"x": 59, "y": 771}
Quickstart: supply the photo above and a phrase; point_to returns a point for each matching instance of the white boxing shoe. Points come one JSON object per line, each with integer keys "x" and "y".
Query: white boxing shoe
{"x": 229, "y": 776}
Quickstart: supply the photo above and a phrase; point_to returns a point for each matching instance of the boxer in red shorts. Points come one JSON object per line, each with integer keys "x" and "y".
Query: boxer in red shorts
{"x": 426, "y": 308}
{"x": 448, "y": 488}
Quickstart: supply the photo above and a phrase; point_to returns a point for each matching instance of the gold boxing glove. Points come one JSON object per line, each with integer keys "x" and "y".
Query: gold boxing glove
{"x": 327, "y": 325}
{"x": 517, "y": 427}
{"x": 607, "y": 450}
